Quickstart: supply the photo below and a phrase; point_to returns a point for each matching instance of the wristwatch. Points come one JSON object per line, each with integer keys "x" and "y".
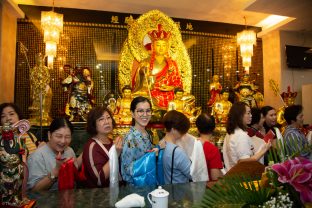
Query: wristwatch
{"x": 52, "y": 177}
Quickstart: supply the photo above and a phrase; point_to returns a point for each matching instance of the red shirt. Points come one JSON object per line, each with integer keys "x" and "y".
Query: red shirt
{"x": 93, "y": 159}
{"x": 213, "y": 157}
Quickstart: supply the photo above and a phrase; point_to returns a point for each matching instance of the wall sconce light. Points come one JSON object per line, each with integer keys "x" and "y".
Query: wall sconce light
{"x": 246, "y": 39}
{"x": 52, "y": 25}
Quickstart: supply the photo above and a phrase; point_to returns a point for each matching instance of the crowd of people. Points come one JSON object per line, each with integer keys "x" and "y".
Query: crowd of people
{"x": 246, "y": 129}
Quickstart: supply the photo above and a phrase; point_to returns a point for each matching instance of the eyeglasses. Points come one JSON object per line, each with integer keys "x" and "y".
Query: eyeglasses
{"x": 141, "y": 112}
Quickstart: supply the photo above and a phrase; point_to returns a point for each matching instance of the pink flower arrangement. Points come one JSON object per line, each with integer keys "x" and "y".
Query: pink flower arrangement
{"x": 298, "y": 173}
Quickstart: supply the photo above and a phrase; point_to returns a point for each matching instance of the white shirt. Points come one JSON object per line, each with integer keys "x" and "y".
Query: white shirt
{"x": 258, "y": 143}
{"x": 235, "y": 147}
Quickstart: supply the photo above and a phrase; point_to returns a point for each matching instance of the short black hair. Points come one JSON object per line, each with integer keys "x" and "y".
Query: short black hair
{"x": 177, "y": 120}
{"x": 266, "y": 109}
{"x": 291, "y": 113}
{"x": 15, "y": 108}
{"x": 94, "y": 114}
{"x": 205, "y": 123}
{"x": 58, "y": 123}
{"x": 256, "y": 115}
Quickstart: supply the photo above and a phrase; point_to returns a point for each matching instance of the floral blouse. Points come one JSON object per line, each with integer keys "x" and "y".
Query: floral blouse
{"x": 135, "y": 146}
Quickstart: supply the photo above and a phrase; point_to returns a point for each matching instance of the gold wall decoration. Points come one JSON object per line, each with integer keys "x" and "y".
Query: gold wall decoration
{"x": 77, "y": 46}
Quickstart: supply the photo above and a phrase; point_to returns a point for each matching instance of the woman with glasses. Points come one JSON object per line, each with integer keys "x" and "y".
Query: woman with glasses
{"x": 138, "y": 140}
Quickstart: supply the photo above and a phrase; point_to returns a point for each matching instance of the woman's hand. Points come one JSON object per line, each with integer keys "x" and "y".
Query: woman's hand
{"x": 59, "y": 161}
{"x": 162, "y": 144}
{"x": 118, "y": 143}
{"x": 166, "y": 88}
{"x": 155, "y": 149}
{"x": 265, "y": 147}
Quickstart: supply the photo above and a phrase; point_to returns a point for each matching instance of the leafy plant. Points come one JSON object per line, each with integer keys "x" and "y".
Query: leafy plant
{"x": 282, "y": 153}
{"x": 235, "y": 191}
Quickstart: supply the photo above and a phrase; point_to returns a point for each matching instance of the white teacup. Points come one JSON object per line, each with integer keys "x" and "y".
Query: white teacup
{"x": 158, "y": 198}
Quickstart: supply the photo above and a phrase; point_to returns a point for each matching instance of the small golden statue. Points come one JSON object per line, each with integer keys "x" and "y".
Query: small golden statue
{"x": 214, "y": 90}
{"x": 39, "y": 87}
{"x": 259, "y": 98}
{"x": 183, "y": 105}
{"x": 221, "y": 110}
{"x": 112, "y": 104}
{"x": 79, "y": 86}
{"x": 124, "y": 115}
{"x": 245, "y": 91}
{"x": 289, "y": 99}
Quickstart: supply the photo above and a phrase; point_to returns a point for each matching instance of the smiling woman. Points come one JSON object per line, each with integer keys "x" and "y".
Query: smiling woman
{"x": 137, "y": 141}
{"x": 44, "y": 164}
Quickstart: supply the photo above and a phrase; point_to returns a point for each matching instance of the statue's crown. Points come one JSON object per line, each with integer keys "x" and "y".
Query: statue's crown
{"x": 159, "y": 34}
{"x": 288, "y": 94}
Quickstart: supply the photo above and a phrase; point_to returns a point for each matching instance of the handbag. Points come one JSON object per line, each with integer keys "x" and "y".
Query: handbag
{"x": 144, "y": 170}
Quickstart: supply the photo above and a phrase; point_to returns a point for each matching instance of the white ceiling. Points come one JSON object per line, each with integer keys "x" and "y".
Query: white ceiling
{"x": 228, "y": 11}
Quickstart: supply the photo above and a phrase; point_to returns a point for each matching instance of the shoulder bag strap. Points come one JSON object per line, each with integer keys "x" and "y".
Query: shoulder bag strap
{"x": 101, "y": 145}
{"x": 172, "y": 162}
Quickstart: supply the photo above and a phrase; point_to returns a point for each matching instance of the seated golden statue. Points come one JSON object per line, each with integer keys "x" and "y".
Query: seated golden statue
{"x": 79, "y": 85}
{"x": 259, "y": 98}
{"x": 245, "y": 91}
{"x": 124, "y": 116}
{"x": 39, "y": 87}
{"x": 158, "y": 75}
{"x": 152, "y": 58}
{"x": 214, "y": 90}
{"x": 183, "y": 105}
{"x": 112, "y": 105}
{"x": 221, "y": 110}
{"x": 289, "y": 99}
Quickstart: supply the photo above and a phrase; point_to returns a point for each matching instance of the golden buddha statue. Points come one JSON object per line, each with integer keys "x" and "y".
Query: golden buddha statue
{"x": 158, "y": 75}
{"x": 124, "y": 115}
{"x": 183, "y": 105}
{"x": 259, "y": 98}
{"x": 112, "y": 105}
{"x": 221, "y": 110}
{"x": 39, "y": 87}
{"x": 79, "y": 86}
{"x": 289, "y": 99}
{"x": 214, "y": 90}
{"x": 154, "y": 60}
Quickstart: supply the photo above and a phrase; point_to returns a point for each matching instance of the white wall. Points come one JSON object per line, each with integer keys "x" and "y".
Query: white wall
{"x": 275, "y": 67}
{"x": 307, "y": 102}
{"x": 292, "y": 77}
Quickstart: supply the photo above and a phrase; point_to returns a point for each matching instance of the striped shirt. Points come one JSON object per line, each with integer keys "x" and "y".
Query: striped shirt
{"x": 295, "y": 141}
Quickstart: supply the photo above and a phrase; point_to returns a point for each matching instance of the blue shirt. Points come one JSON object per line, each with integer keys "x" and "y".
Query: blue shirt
{"x": 135, "y": 146}
{"x": 295, "y": 141}
{"x": 181, "y": 165}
